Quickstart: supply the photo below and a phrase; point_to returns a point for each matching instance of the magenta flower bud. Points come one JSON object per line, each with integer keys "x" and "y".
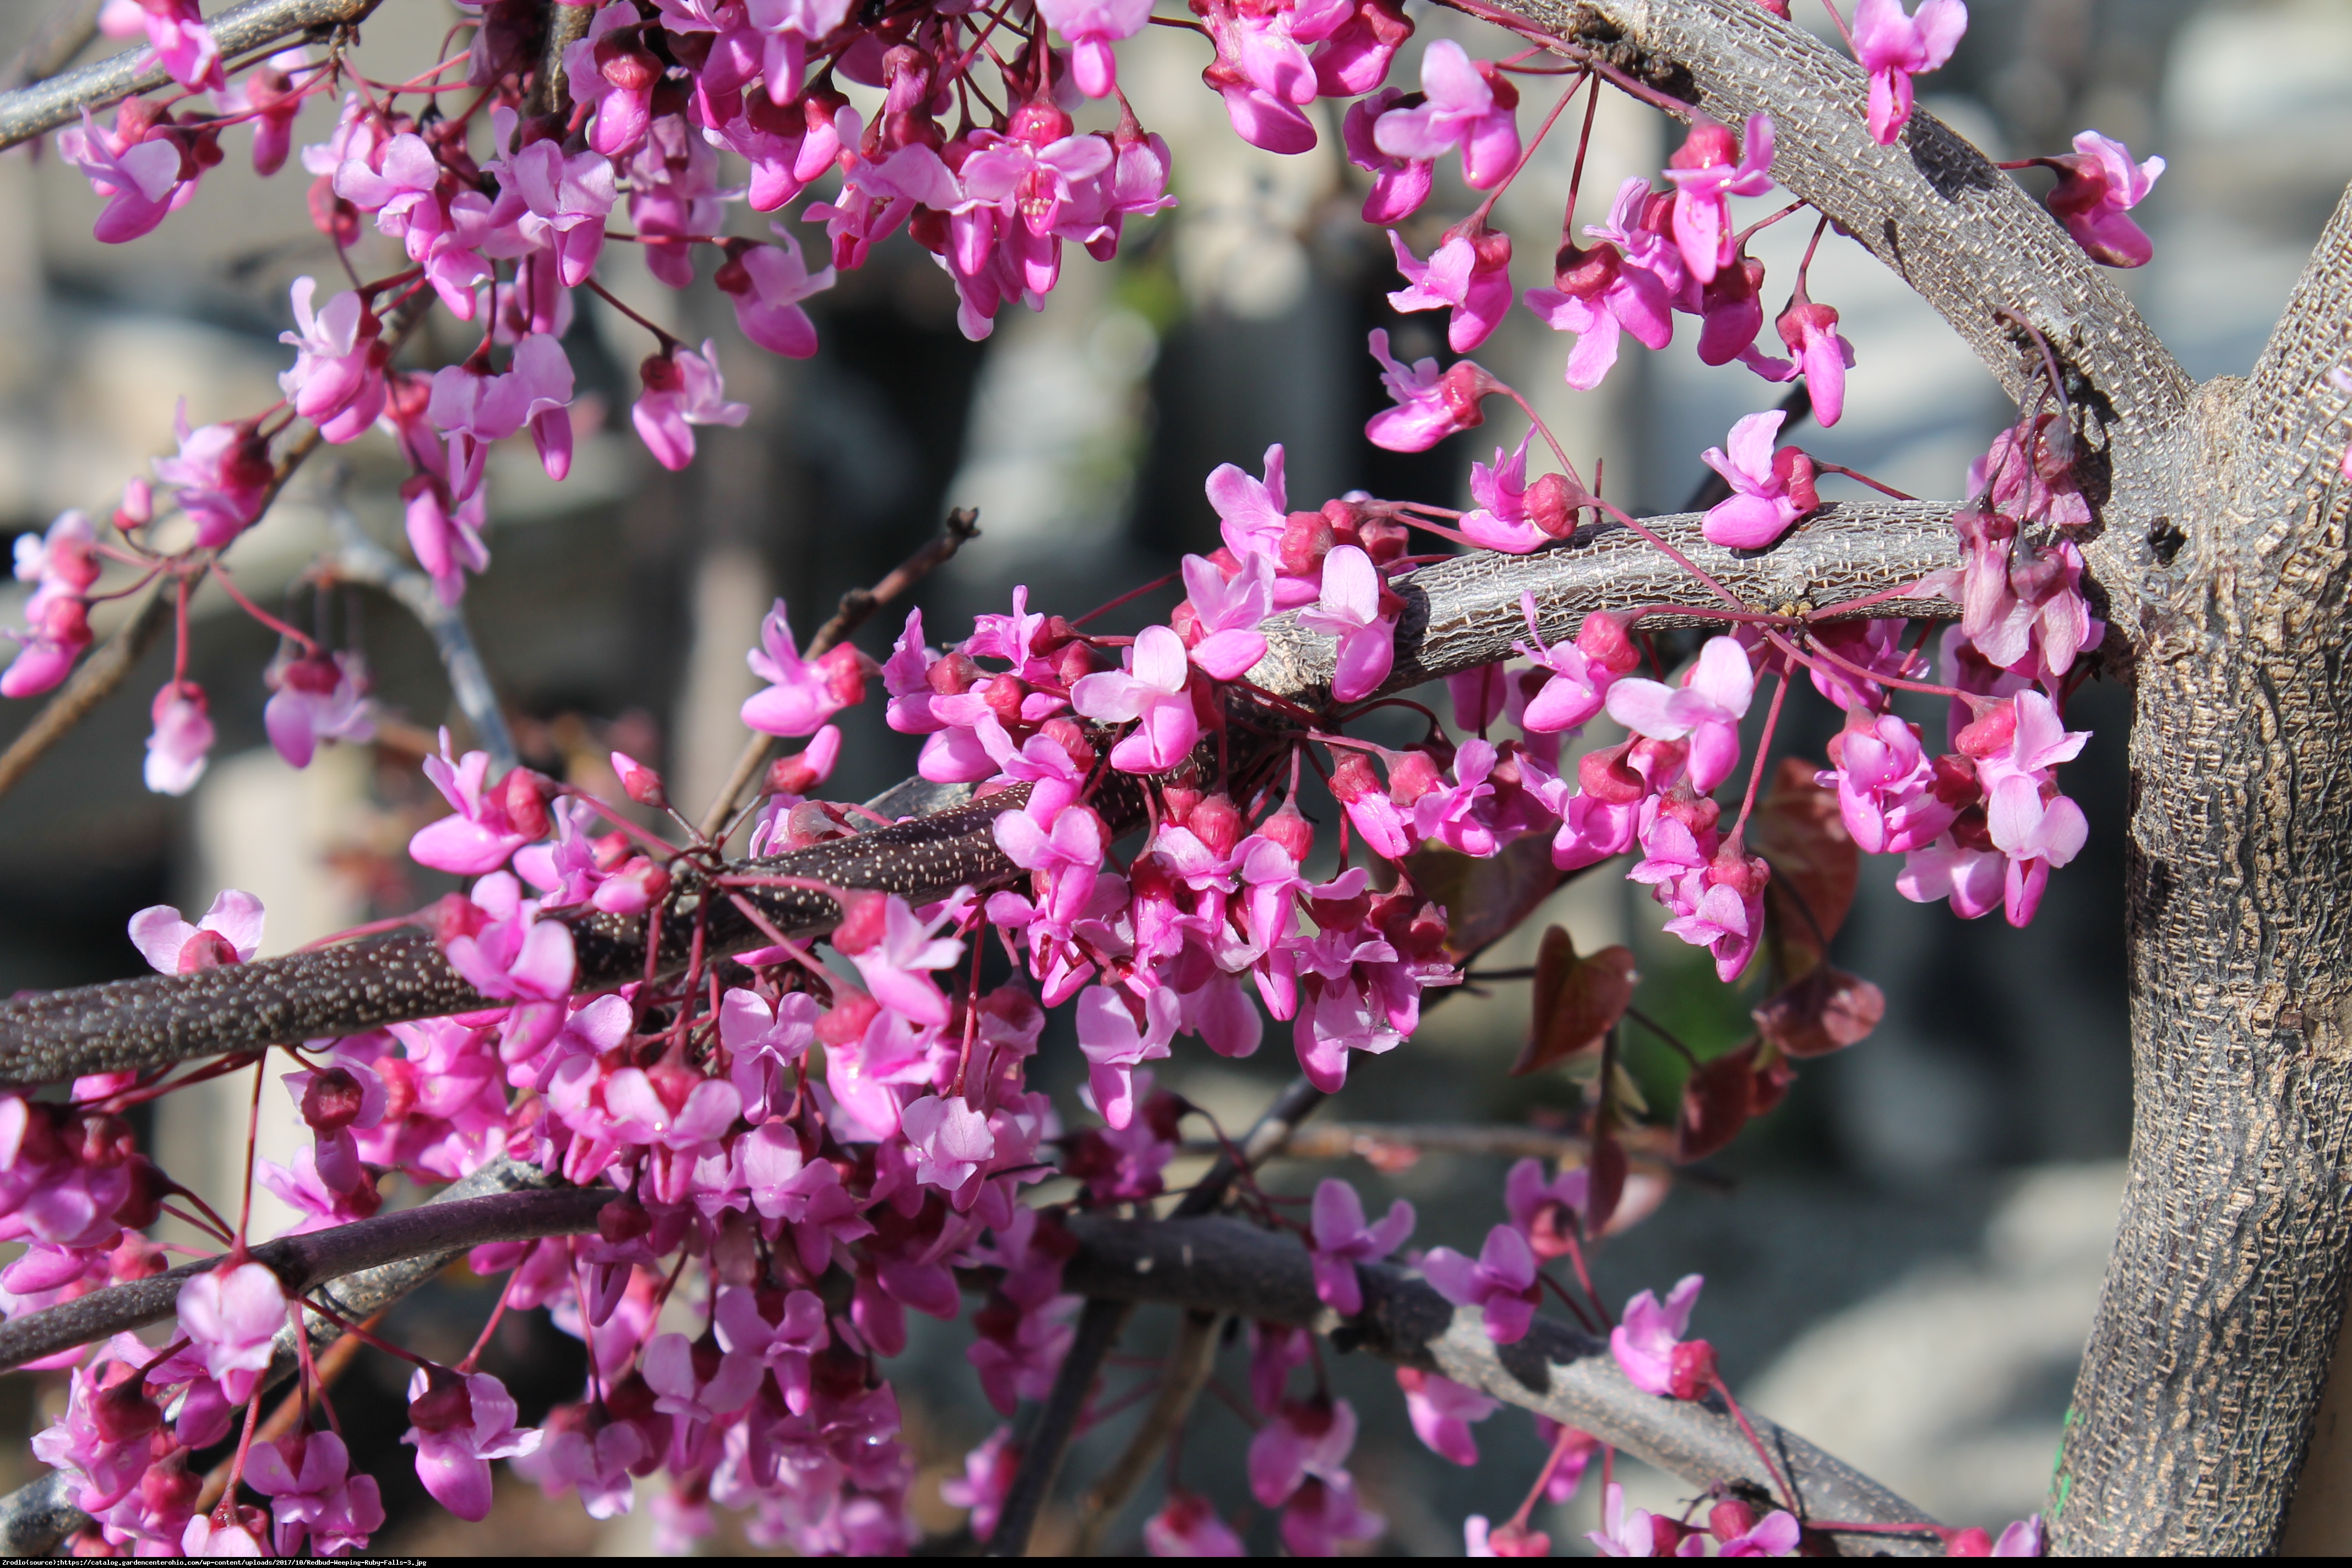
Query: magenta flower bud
{"x": 640, "y": 783}
{"x": 1289, "y": 830}
{"x": 333, "y": 1100}
{"x": 625, "y": 61}
{"x": 205, "y": 950}
{"x": 1692, "y": 1371}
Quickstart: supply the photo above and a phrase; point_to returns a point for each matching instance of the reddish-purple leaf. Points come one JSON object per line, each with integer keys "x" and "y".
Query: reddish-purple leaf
{"x": 1577, "y": 1000}
{"x": 1826, "y": 1011}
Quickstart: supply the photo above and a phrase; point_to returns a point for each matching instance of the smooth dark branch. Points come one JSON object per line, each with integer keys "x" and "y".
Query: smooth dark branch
{"x": 1460, "y": 614}
{"x": 45, "y": 105}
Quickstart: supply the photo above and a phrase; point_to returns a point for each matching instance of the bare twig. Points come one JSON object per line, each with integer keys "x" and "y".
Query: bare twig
{"x": 28, "y": 112}
{"x": 361, "y": 560}
{"x": 1182, "y": 1374}
{"x": 1099, "y": 1326}
{"x": 856, "y": 605}
{"x": 1375, "y": 1141}
{"x": 56, "y": 38}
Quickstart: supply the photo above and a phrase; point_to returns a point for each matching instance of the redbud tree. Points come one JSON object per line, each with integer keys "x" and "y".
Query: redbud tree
{"x": 729, "y": 1087}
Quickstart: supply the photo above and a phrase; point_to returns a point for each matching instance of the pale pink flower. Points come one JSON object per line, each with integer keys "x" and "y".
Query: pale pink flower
{"x": 950, "y": 1140}
{"x": 1188, "y": 1526}
{"x": 182, "y": 741}
{"x": 141, "y": 180}
{"x": 457, "y": 1425}
{"x": 313, "y": 1492}
{"x": 1463, "y": 109}
{"x": 321, "y": 696}
{"x": 2097, "y": 185}
{"x": 1705, "y": 711}
{"x": 478, "y": 835}
{"x": 1628, "y": 1533}
{"x": 1092, "y": 26}
{"x": 682, "y": 389}
{"x": 766, "y": 284}
{"x": 1154, "y": 693}
{"x": 229, "y": 1315}
{"x": 1971, "y": 878}
{"x": 1441, "y": 1412}
{"x": 1649, "y": 1343}
{"x": 1778, "y": 1533}
{"x": 215, "y": 1534}
{"x": 1251, "y": 513}
{"x": 801, "y": 693}
{"x": 1771, "y": 490}
{"x": 1707, "y": 170}
{"x": 1341, "y": 1239}
{"x": 1501, "y": 1281}
{"x": 762, "y": 1041}
{"x": 1066, "y": 856}
{"x": 1116, "y": 1045}
{"x": 176, "y": 36}
{"x": 1893, "y": 48}
{"x": 1228, "y": 612}
{"x": 337, "y": 380}
{"x": 229, "y": 933}
{"x": 224, "y": 473}
{"x": 1351, "y": 612}
{"x": 1470, "y": 278}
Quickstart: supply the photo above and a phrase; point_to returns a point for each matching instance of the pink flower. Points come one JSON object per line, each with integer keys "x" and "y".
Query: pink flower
{"x": 1154, "y": 693}
{"x": 1399, "y": 185}
{"x": 1341, "y": 1240}
{"x": 1705, "y": 711}
{"x": 1778, "y": 1533}
{"x": 1631, "y": 1532}
{"x": 1431, "y": 405}
{"x": 230, "y": 933}
{"x": 1441, "y": 1412}
{"x": 2027, "y": 818}
{"x": 477, "y": 409}
{"x": 1885, "y": 786}
{"x": 562, "y": 202}
{"x": 215, "y": 1534}
{"x": 1547, "y": 1212}
{"x": 182, "y": 740}
{"x": 1823, "y": 355}
{"x": 2097, "y": 185}
{"x": 268, "y": 97}
{"x": 801, "y": 693}
{"x": 224, "y": 473}
{"x": 615, "y": 78}
{"x": 1771, "y": 489}
{"x": 1251, "y": 513}
{"x": 319, "y": 698}
{"x": 1188, "y": 1526}
{"x": 896, "y": 966}
{"x": 951, "y": 1140}
{"x": 313, "y": 1492}
{"x": 515, "y": 956}
{"x": 1307, "y": 1438}
{"x": 767, "y": 284}
{"x": 141, "y": 179}
{"x": 987, "y": 1480}
{"x": 1324, "y": 1513}
{"x": 1582, "y": 672}
{"x": 1649, "y": 1343}
{"x": 682, "y": 389}
{"x": 1468, "y": 105}
{"x": 1469, "y": 275}
{"x": 763, "y": 1041}
{"x": 1600, "y": 293}
{"x": 457, "y": 1425}
{"x": 1501, "y": 1281}
{"x": 1350, "y": 611}
{"x": 1707, "y": 170}
{"x": 56, "y": 630}
{"x": 1092, "y": 26}
{"x": 1972, "y": 877}
{"x": 1893, "y": 48}
{"x": 1509, "y": 515}
{"x": 1116, "y": 1043}
{"x": 229, "y": 1315}
{"x": 1227, "y": 613}
{"x": 175, "y": 33}
{"x": 479, "y": 834}
{"x": 337, "y": 381}
{"x": 1066, "y": 857}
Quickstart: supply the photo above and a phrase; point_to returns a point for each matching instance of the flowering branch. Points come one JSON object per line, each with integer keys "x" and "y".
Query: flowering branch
{"x": 28, "y": 112}
{"x": 1225, "y": 1265}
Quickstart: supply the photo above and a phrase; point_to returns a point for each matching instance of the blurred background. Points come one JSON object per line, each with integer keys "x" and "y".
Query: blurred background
{"x": 1900, "y": 1262}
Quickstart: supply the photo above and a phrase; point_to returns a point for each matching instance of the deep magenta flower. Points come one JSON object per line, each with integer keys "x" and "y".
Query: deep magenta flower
{"x": 229, "y": 1315}
{"x": 1650, "y": 1347}
{"x": 1885, "y": 784}
{"x": 950, "y": 1140}
{"x": 801, "y": 693}
{"x": 1601, "y": 292}
{"x": 1501, "y": 1281}
{"x": 177, "y": 37}
{"x": 479, "y": 834}
{"x": 1342, "y": 1239}
{"x": 230, "y": 933}
{"x": 682, "y": 389}
{"x": 321, "y": 696}
{"x": 1350, "y": 611}
{"x": 1893, "y": 48}
{"x": 1228, "y": 611}
{"x": 313, "y": 1493}
{"x": 1468, "y": 275}
{"x": 767, "y": 284}
{"x": 1441, "y": 1412}
{"x": 515, "y": 956}
{"x": 1821, "y": 355}
{"x": 1582, "y": 671}
{"x": 1465, "y": 107}
{"x": 2097, "y": 185}
{"x": 1187, "y": 1526}
{"x": 1399, "y": 185}
{"x": 1705, "y": 711}
{"x": 337, "y": 380}
{"x": 457, "y": 1425}
{"x": 1116, "y": 1043}
{"x": 1251, "y": 513}
{"x": 895, "y": 963}
{"x": 224, "y": 473}
{"x": 1431, "y": 405}
{"x": 987, "y": 1480}
{"x": 1771, "y": 490}
{"x": 1092, "y": 26}
{"x": 1153, "y": 692}
{"x": 1707, "y": 170}
{"x": 182, "y": 740}
{"x": 1306, "y": 1439}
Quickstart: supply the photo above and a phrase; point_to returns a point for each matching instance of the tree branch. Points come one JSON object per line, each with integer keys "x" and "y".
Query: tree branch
{"x": 28, "y": 112}
{"x": 361, "y": 560}
{"x": 1237, "y": 1269}
{"x": 2289, "y": 406}
{"x": 1459, "y": 614}
{"x": 56, "y": 39}
{"x": 37, "y": 1516}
